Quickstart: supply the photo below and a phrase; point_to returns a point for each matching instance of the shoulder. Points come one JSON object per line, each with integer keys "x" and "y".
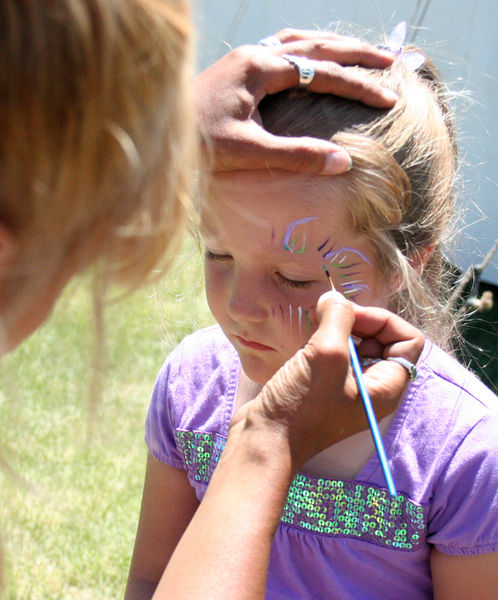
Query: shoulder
{"x": 203, "y": 345}
{"x": 198, "y": 380}
{"x": 445, "y": 428}
{"x": 199, "y": 355}
{"x": 446, "y": 383}
{"x": 452, "y": 406}
{"x": 457, "y": 422}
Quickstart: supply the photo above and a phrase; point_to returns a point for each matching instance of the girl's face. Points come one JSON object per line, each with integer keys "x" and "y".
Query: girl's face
{"x": 267, "y": 237}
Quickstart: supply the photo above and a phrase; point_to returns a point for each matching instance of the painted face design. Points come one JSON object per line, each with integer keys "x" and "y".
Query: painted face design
{"x": 345, "y": 264}
{"x": 266, "y": 243}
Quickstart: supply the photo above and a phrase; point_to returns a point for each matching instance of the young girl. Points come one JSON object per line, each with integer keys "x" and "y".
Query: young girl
{"x": 378, "y": 230}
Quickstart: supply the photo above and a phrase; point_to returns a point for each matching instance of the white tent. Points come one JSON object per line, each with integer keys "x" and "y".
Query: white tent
{"x": 460, "y": 37}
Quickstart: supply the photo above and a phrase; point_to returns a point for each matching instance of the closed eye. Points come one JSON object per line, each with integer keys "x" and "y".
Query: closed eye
{"x": 217, "y": 257}
{"x": 292, "y": 283}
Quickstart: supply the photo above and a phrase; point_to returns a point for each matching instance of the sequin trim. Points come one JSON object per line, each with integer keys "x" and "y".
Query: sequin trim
{"x": 201, "y": 452}
{"x": 324, "y": 506}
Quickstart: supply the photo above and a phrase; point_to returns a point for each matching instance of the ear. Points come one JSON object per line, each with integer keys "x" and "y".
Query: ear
{"x": 420, "y": 258}
{"x": 7, "y": 245}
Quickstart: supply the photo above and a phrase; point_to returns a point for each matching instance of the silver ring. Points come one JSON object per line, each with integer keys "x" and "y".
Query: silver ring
{"x": 410, "y": 367}
{"x": 304, "y": 67}
{"x": 271, "y": 40}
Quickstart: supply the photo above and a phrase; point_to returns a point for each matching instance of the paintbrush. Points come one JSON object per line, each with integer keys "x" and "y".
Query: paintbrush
{"x": 367, "y": 404}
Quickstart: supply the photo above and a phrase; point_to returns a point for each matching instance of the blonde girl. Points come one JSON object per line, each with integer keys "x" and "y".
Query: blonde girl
{"x": 378, "y": 229}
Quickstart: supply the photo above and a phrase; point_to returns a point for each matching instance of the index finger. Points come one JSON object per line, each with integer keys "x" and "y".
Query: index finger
{"x": 395, "y": 336}
{"x": 345, "y": 51}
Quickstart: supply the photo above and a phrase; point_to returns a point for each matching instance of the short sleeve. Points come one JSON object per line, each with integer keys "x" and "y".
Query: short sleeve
{"x": 464, "y": 516}
{"x": 160, "y": 422}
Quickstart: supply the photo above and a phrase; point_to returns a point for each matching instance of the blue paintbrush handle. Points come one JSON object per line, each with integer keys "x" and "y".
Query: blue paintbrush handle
{"x": 372, "y": 421}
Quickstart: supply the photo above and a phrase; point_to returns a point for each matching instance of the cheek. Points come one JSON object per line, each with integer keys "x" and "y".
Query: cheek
{"x": 297, "y": 319}
{"x": 215, "y": 285}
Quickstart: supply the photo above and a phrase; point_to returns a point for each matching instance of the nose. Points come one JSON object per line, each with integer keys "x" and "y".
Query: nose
{"x": 248, "y": 299}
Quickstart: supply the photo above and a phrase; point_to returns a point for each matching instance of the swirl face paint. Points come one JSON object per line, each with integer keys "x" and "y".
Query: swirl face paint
{"x": 345, "y": 263}
{"x": 291, "y": 244}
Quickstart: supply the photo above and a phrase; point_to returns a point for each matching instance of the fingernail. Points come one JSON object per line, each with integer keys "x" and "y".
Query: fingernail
{"x": 337, "y": 163}
{"x": 389, "y": 95}
{"x": 332, "y": 294}
{"x": 387, "y": 52}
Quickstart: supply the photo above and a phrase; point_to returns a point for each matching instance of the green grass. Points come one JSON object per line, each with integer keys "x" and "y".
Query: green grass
{"x": 68, "y": 513}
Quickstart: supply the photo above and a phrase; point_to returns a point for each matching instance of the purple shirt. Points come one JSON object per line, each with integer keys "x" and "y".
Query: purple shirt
{"x": 350, "y": 539}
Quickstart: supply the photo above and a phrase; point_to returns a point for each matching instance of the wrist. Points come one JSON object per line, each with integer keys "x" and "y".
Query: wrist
{"x": 261, "y": 444}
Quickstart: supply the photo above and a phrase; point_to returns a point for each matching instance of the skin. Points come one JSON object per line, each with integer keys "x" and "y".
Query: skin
{"x": 261, "y": 285}
{"x": 228, "y": 96}
{"x": 246, "y": 276}
{"x": 280, "y": 418}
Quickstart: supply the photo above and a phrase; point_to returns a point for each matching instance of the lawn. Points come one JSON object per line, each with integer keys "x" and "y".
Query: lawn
{"x": 69, "y": 508}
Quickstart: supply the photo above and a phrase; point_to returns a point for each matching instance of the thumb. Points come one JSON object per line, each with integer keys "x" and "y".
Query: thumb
{"x": 335, "y": 316}
{"x": 329, "y": 344}
{"x": 300, "y": 154}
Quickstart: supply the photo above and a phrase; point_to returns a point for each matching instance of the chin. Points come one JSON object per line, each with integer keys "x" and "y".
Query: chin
{"x": 258, "y": 373}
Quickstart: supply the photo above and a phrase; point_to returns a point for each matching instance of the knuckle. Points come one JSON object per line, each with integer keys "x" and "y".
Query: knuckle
{"x": 341, "y": 304}
{"x": 303, "y": 159}
{"x": 286, "y": 34}
{"x": 327, "y": 353}
{"x": 335, "y": 70}
{"x": 362, "y": 46}
{"x": 245, "y": 54}
{"x": 317, "y": 46}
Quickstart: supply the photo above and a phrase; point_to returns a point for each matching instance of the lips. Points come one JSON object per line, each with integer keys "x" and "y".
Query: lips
{"x": 253, "y": 345}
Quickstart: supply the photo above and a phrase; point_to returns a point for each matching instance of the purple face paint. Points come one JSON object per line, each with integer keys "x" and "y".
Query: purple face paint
{"x": 334, "y": 254}
{"x": 287, "y": 243}
{"x": 339, "y": 260}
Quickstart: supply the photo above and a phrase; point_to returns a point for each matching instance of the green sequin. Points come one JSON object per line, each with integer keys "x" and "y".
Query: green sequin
{"x": 324, "y": 506}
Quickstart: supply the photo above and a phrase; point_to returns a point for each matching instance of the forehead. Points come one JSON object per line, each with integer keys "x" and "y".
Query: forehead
{"x": 274, "y": 199}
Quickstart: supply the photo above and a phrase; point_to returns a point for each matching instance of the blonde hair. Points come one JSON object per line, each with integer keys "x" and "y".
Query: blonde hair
{"x": 400, "y": 190}
{"x": 97, "y": 139}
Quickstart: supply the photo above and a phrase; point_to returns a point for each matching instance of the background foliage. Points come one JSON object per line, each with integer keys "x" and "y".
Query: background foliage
{"x": 69, "y": 509}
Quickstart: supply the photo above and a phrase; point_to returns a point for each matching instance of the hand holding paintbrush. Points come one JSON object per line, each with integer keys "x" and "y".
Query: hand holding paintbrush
{"x": 372, "y": 421}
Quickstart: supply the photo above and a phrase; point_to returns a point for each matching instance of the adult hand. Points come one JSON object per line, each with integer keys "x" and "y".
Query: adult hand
{"x": 313, "y": 400}
{"x": 228, "y": 93}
